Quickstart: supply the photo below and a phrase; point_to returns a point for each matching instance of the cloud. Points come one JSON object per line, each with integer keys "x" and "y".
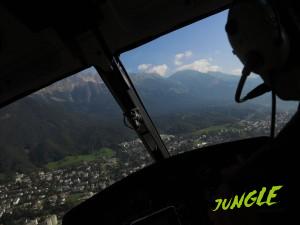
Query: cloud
{"x": 237, "y": 71}
{"x": 143, "y": 67}
{"x": 200, "y": 65}
{"x": 182, "y": 56}
{"x": 158, "y": 69}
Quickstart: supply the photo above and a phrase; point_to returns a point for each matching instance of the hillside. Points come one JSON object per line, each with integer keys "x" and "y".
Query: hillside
{"x": 78, "y": 115}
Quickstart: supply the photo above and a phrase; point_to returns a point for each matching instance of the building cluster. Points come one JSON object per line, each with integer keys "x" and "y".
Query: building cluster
{"x": 32, "y": 198}
{"x": 242, "y": 129}
{"x": 43, "y": 196}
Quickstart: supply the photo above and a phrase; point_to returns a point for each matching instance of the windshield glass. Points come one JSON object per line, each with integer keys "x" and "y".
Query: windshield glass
{"x": 66, "y": 142}
{"x": 60, "y": 146}
{"x": 187, "y": 81}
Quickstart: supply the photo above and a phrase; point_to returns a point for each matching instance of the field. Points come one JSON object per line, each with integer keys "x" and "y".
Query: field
{"x": 77, "y": 159}
{"x": 216, "y": 129}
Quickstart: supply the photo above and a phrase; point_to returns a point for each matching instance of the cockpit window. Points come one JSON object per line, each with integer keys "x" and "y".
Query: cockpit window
{"x": 60, "y": 146}
{"x": 64, "y": 143}
{"x": 187, "y": 81}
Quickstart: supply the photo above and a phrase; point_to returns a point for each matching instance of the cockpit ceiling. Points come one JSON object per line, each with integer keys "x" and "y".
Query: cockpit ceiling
{"x": 44, "y": 41}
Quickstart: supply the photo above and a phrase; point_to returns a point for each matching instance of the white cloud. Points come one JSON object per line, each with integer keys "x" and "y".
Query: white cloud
{"x": 201, "y": 65}
{"x": 158, "y": 69}
{"x": 237, "y": 71}
{"x": 182, "y": 56}
{"x": 143, "y": 67}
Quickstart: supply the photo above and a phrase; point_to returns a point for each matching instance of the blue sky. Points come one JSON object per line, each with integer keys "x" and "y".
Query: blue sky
{"x": 202, "y": 46}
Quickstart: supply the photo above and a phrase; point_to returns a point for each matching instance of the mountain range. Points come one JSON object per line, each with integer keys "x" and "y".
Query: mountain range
{"x": 78, "y": 114}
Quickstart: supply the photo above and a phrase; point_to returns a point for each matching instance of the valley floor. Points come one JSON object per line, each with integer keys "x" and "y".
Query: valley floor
{"x": 46, "y": 194}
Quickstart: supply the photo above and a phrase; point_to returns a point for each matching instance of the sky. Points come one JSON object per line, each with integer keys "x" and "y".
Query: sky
{"x": 202, "y": 46}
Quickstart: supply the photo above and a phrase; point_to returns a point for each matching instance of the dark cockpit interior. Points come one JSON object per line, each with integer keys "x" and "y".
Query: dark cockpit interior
{"x": 42, "y": 42}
